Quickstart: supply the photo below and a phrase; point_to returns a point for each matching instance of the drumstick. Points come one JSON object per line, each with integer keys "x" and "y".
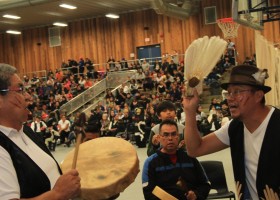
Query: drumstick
{"x": 78, "y": 142}
{"x": 161, "y": 194}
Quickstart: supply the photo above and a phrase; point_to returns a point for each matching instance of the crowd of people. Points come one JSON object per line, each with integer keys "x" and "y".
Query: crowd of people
{"x": 132, "y": 109}
{"x": 149, "y": 109}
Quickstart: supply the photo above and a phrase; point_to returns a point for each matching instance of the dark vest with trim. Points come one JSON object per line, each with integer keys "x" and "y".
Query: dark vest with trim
{"x": 32, "y": 180}
{"x": 268, "y": 172}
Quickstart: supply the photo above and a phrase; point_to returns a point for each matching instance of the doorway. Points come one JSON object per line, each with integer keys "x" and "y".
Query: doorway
{"x": 149, "y": 52}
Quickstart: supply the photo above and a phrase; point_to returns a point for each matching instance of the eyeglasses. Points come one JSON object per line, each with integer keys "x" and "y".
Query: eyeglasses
{"x": 167, "y": 135}
{"x": 236, "y": 93}
{"x": 20, "y": 90}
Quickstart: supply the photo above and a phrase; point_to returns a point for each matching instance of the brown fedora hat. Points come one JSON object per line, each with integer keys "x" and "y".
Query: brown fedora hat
{"x": 248, "y": 75}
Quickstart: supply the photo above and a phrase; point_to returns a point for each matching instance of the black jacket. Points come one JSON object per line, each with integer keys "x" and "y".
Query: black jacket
{"x": 32, "y": 180}
{"x": 159, "y": 171}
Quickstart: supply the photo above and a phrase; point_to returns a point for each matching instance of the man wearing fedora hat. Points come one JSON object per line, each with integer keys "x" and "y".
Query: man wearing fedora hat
{"x": 253, "y": 133}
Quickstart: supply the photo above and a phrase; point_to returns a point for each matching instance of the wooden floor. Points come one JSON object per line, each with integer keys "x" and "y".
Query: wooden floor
{"x": 134, "y": 191}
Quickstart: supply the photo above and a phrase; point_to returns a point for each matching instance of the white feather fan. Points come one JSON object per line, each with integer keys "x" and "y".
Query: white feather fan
{"x": 201, "y": 57}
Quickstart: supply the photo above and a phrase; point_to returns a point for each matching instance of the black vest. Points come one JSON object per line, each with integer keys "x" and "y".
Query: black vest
{"x": 32, "y": 180}
{"x": 268, "y": 172}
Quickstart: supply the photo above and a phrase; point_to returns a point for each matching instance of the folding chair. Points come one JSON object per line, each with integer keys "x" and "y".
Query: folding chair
{"x": 216, "y": 175}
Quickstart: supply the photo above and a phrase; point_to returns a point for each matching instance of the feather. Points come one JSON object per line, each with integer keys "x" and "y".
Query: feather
{"x": 201, "y": 57}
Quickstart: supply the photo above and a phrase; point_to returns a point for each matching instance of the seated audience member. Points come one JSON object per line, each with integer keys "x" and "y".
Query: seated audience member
{"x": 151, "y": 118}
{"x": 161, "y": 89}
{"x": 200, "y": 114}
{"x": 112, "y": 114}
{"x": 139, "y": 127}
{"x": 172, "y": 169}
{"x": 154, "y": 99}
{"x": 113, "y": 126}
{"x": 133, "y": 86}
{"x": 64, "y": 129}
{"x": 93, "y": 122}
{"x": 224, "y": 107}
{"x": 128, "y": 99}
{"x": 225, "y": 117}
{"x": 64, "y": 100}
{"x": 135, "y": 104}
{"x": 165, "y": 110}
{"x": 39, "y": 127}
{"x": 175, "y": 92}
{"x": 78, "y": 127}
{"x": 157, "y": 66}
{"x": 101, "y": 106}
{"x": 140, "y": 75}
{"x": 120, "y": 97}
{"x": 51, "y": 141}
{"x": 148, "y": 83}
{"x": 214, "y": 103}
{"x": 88, "y": 83}
{"x": 143, "y": 101}
{"x": 215, "y": 123}
{"x": 126, "y": 118}
{"x": 36, "y": 111}
{"x": 82, "y": 81}
{"x": 52, "y": 119}
{"x": 109, "y": 95}
{"x": 105, "y": 122}
{"x": 125, "y": 87}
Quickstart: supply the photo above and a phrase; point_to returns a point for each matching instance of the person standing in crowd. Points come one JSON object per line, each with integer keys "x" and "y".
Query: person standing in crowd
{"x": 81, "y": 66}
{"x": 89, "y": 66}
{"x": 111, "y": 62}
{"x": 157, "y": 66}
{"x": 253, "y": 134}
{"x": 165, "y": 110}
{"x": 28, "y": 170}
{"x": 145, "y": 65}
{"x": 172, "y": 169}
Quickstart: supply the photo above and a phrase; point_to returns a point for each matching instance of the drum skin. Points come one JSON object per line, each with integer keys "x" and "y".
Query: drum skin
{"x": 106, "y": 165}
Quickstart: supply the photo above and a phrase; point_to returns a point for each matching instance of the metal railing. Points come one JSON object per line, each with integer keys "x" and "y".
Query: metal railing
{"x": 118, "y": 77}
{"x": 83, "y": 98}
{"x": 113, "y": 80}
{"x": 39, "y": 74}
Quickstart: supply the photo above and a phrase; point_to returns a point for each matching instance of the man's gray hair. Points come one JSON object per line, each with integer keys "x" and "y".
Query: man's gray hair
{"x": 6, "y": 72}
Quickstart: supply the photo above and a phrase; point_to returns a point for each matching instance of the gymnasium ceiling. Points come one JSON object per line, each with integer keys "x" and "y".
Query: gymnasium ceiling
{"x": 36, "y": 13}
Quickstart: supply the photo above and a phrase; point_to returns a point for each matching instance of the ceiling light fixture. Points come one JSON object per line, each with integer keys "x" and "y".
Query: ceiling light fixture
{"x": 11, "y": 16}
{"x": 60, "y": 24}
{"x": 13, "y": 32}
{"x": 114, "y": 16}
{"x": 173, "y": 4}
{"x": 67, "y": 6}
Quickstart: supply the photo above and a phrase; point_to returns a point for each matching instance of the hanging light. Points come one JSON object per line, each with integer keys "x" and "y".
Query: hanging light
{"x": 13, "y": 32}
{"x": 114, "y": 16}
{"x": 60, "y": 24}
{"x": 11, "y": 16}
{"x": 67, "y": 6}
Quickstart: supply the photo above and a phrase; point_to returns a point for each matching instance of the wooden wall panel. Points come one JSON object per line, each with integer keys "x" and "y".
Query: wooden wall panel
{"x": 100, "y": 38}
